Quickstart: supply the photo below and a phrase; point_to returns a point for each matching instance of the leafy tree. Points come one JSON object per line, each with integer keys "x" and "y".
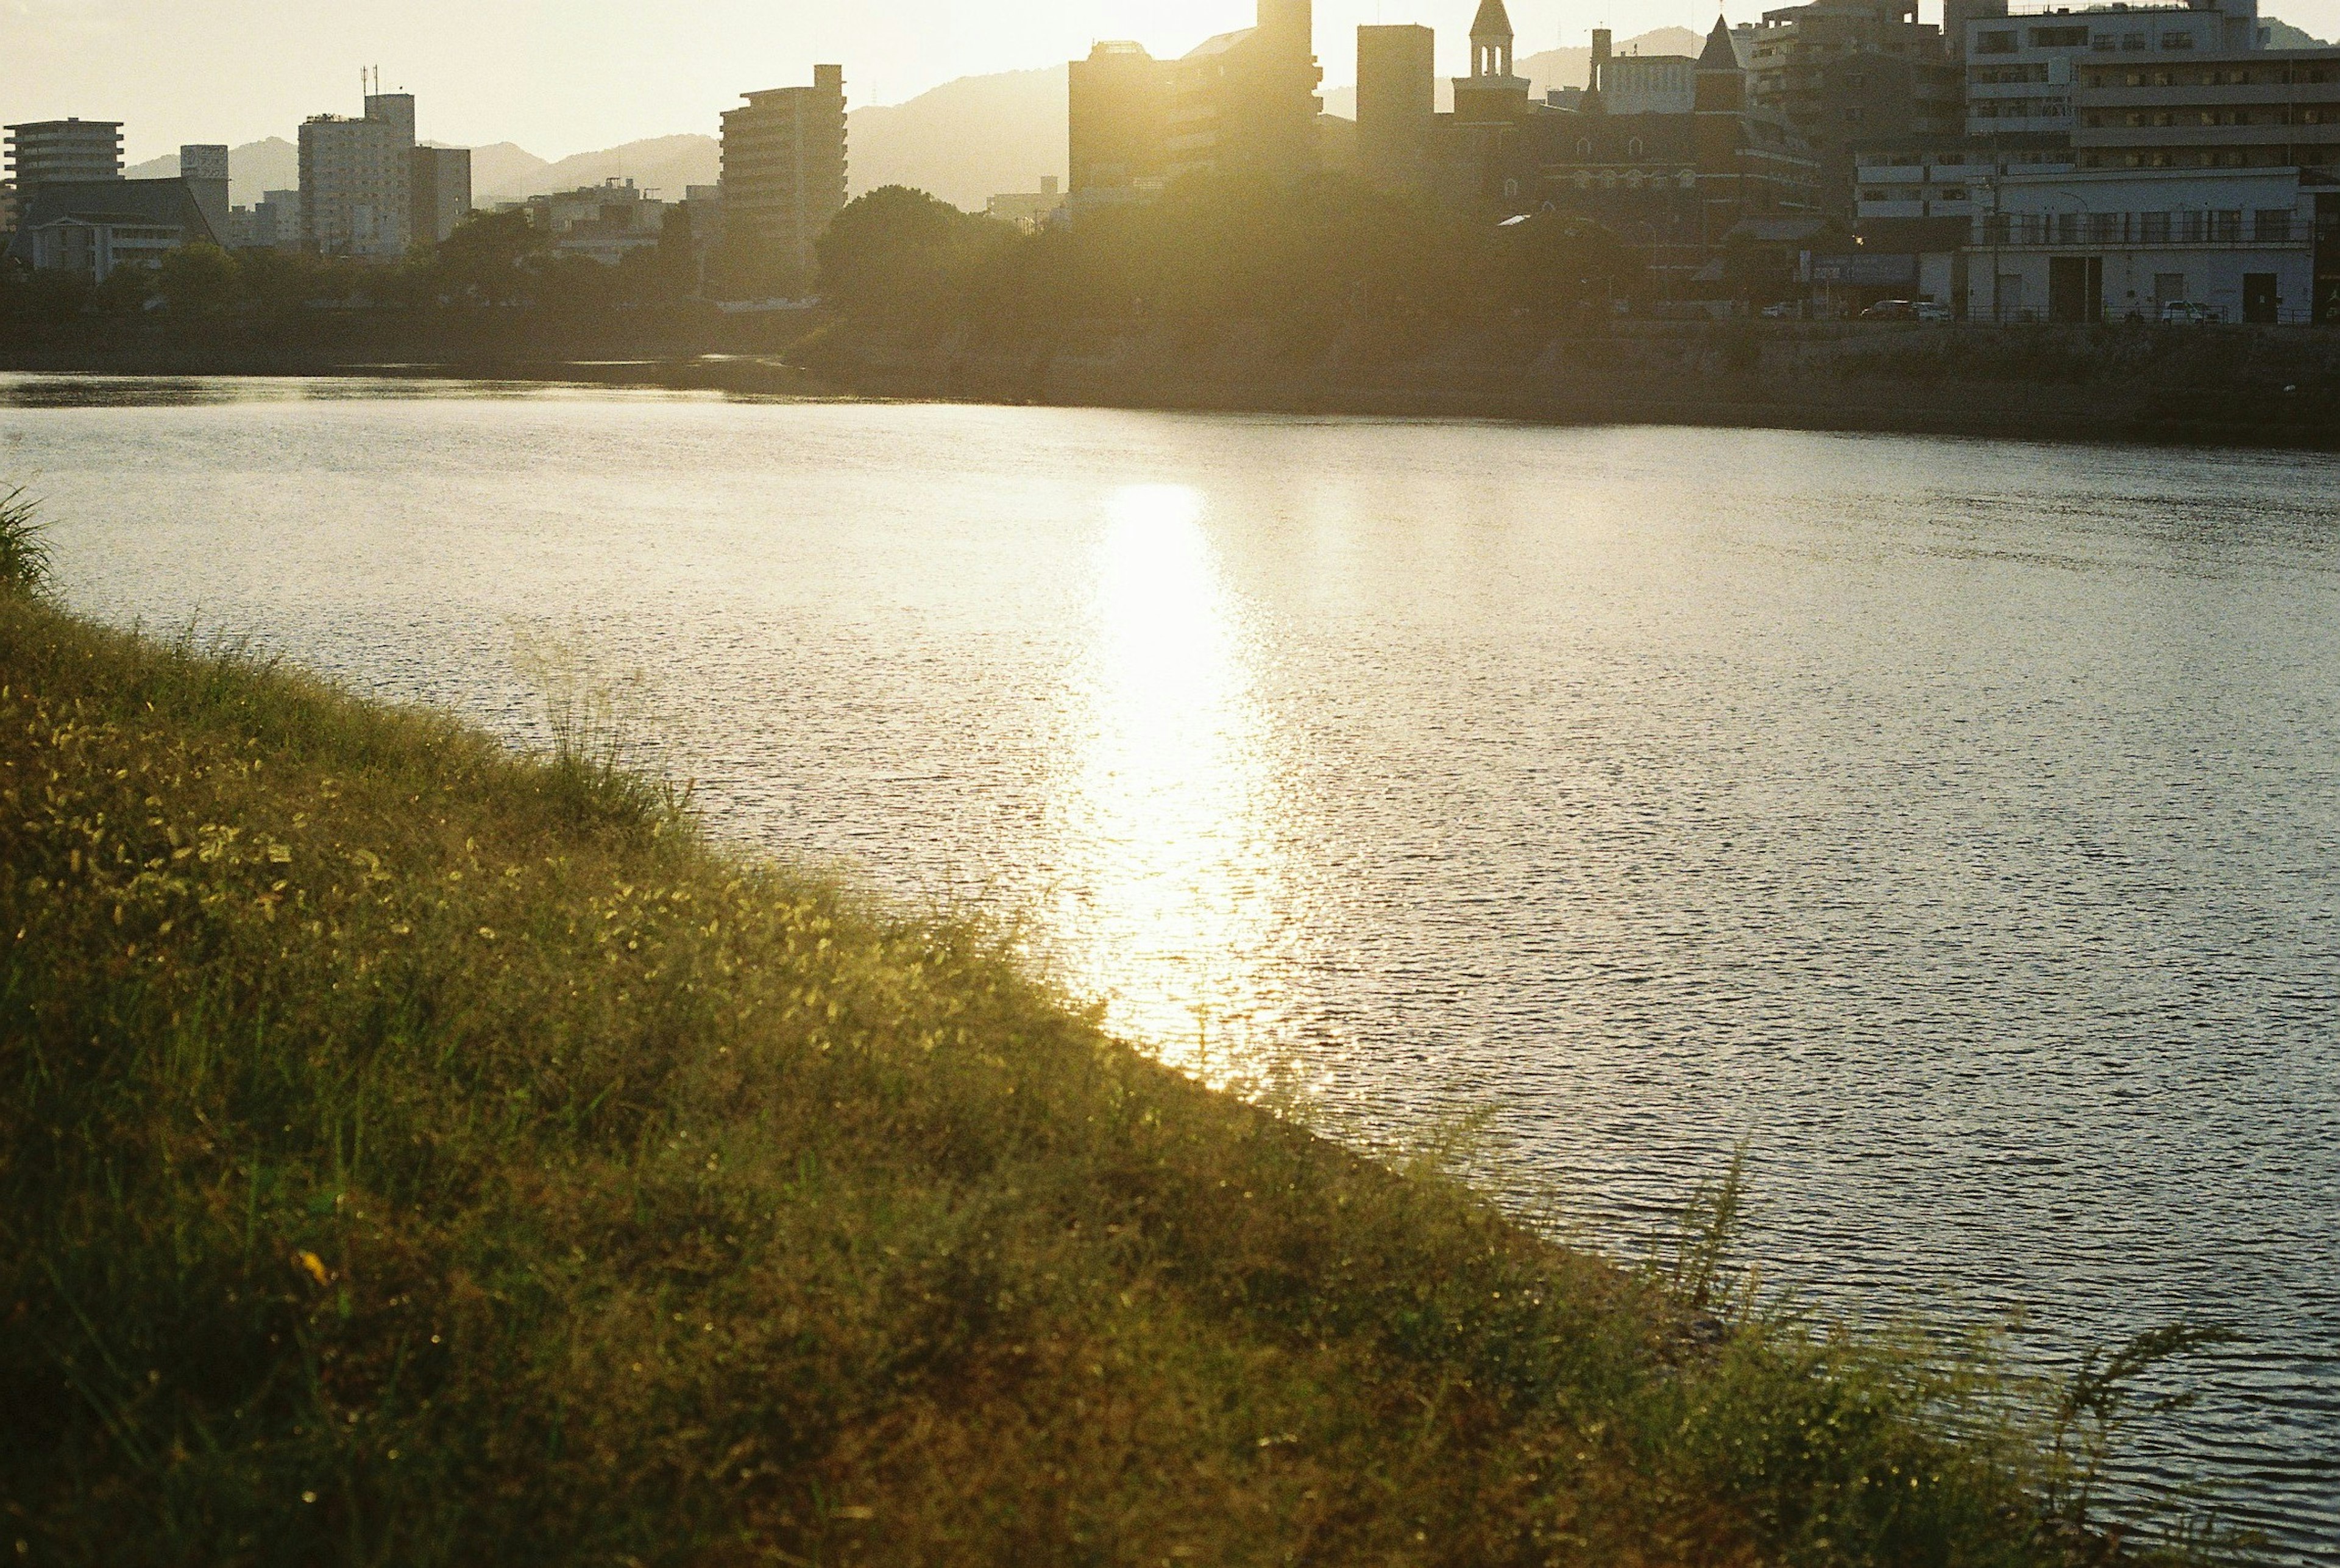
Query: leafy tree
{"x": 199, "y": 280}
{"x": 125, "y": 291}
{"x": 896, "y": 250}
{"x": 491, "y": 258}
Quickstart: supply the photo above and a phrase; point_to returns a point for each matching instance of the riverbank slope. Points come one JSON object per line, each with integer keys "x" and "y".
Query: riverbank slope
{"x": 410, "y": 1153}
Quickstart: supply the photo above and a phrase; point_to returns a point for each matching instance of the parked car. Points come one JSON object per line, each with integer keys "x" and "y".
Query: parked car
{"x": 1932, "y": 310}
{"x": 1785, "y": 311}
{"x": 2181, "y": 314}
{"x": 1891, "y": 310}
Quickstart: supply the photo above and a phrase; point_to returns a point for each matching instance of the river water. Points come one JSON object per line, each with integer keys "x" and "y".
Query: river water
{"x": 1955, "y": 823}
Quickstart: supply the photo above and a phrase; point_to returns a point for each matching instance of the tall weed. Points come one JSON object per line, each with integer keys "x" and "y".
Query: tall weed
{"x": 27, "y": 565}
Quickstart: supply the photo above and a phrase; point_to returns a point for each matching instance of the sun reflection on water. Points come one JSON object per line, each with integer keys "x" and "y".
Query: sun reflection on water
{"x": 1171, "y": 865}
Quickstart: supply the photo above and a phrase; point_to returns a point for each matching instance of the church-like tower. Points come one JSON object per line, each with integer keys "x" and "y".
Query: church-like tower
{"x": 1491, "y": 42}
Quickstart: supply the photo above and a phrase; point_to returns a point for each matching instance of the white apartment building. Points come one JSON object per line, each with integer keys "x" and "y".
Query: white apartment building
{"x": 2022, "y": 63}
{"x": 2093, "y": 247}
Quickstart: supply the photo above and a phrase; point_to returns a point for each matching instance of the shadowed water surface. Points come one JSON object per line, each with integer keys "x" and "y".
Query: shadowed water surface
{"x": 1956, "y": 821}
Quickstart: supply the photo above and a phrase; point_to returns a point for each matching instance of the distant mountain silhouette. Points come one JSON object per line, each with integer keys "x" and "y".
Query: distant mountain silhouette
{"x": 254, "y": 170}
{"x": 668, "y": 165}
{"x": 968, "y": 140}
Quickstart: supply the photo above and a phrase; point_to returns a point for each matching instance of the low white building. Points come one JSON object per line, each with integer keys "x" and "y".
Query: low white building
{"x": 2120, "y": 246}
{"x": 605, "y": 222}
{"x": 1918, "y": 183}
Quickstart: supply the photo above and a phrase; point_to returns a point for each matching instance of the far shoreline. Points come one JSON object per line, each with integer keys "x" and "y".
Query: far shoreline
{"x": 2235, "y": 388}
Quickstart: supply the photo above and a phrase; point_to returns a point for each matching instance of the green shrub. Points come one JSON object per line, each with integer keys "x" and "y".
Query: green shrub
{"x": 25, "y": 565}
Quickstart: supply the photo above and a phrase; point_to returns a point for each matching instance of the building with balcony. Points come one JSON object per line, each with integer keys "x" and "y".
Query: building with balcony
{"x": 47, "y": 151}
{"x": 2259, "y": 109}
{"x": 1847, "y": 74}
{"x": 2244, "y": 246}
{"x": 2023, "y": 66}
{"x": 785, "y": 166}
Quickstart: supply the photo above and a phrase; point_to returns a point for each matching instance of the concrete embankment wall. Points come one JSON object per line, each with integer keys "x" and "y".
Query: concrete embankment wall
{"x": 2238, "y": 386}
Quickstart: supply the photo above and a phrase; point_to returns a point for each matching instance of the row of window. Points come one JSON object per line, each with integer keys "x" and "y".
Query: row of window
{"x": 2007, "y": 75}
{"x": 2191, "y": 158}
{"x": 2272, "y": 226}
{"x": 2020, "y": 109}
{"x": 2209, "y": 76}
{"x": 2143, "y": 119}
{"x": 2008, "y": 42}
{"x": 1917, "y": 193}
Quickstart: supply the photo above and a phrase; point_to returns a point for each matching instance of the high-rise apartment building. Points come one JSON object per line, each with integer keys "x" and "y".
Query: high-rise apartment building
{"x": 1848, "y": 73}
{"x": 205, "y": 168}
{"x": 2021, "y": 70}
{"x": 784, "y": 165}
{"x": 53, "y": 151}
{"x": 357, "y": 181}
{"x": 1246, "y": 104}
{"x": 1242, "y": 104}
{"x": 1397, "y": 103}
{"x": 1120, "y": 125}
{"x": 441, "y": 187}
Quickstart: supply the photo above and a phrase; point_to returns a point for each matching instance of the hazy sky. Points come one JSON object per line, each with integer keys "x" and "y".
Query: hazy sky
{"x": 560, "y": 77}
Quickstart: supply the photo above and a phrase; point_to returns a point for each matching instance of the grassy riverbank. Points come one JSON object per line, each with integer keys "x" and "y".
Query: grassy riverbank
{"x": 411, "y": 1153}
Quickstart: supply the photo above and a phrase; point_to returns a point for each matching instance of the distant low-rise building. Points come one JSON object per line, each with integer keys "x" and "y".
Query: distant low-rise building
{"x": 276, "y": 222}
{"x": 1029, "y": 210}
{"x": 605, "y": 222}
{"x": 2237, "y": 245}
{"x": 784, "y": 164}
{"x": 97, "y": 227}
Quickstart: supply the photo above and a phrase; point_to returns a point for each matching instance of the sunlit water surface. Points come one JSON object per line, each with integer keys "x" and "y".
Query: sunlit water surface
{"x": 1956, "y": 822}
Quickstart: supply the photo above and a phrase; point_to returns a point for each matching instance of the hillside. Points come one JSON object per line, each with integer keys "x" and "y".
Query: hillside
{"x": 254, "y": 170}
{"x": 668, "y": 165}
{"x": 966, "y": 140}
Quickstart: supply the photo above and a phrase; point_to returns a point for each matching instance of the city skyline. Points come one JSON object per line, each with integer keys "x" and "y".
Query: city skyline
{"x": 160, "y": 68}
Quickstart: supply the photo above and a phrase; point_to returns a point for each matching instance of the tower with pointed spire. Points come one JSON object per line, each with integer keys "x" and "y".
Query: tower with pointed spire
{"x": 1491, "y": 95}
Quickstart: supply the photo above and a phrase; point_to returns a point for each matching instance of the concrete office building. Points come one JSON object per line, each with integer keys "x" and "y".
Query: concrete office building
{"x": 2021, "y": 69}
{"x": 1397, "y": 103}
{"x": 2262, "y": 109}
{"x": 439, "y": 189}
{"x": 276, "y": 222}
{"x": 357, "y": 181}
{"x": 785, "y": 165}
{"x": 205, "y": 168}
{"x": 49, "y": 151}
{"x": 1030, "y": 211}
{"x": 7, "y": 212}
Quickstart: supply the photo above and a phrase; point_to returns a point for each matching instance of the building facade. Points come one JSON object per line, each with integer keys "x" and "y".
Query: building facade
{"x": 2233, "y": 246}
{"x": 205, "y": 170}
{"x": 2021, "y": 70}
{"x": 96, "y": 227}
{"x": 1847, "y": 74}
{"x": 1120, "y": 125}
{"x": 1246, "y": 104}
{"x": 1242, "y": 104}
{"x": 784, "y": 164}
{"x": 1030, "y": 211}
{"x": 605, "y": 222}
{"x": 357, "y": 181}
{"x": 439, "y": 193}
{"x": 48, "y": 152}
{"x": 2256, "y": 109}
{"x": 1397, "y": 103}
{"x": 276, "y": 222}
